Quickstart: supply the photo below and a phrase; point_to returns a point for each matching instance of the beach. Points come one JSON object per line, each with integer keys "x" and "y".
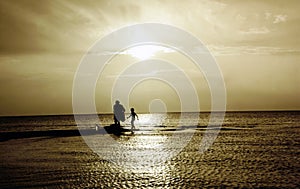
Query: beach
{"x": 252, "y": 150}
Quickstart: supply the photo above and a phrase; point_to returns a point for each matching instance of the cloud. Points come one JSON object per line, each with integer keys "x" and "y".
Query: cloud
{"x": 137, "y": 51}
{"x": 279, "y": 18}
{"x": 154, "y": 73}
{"x": 254, "y": 50}
{"x": 275, "y": 18}
{"x": 58, "y": 26}
{"x": 262, "y": 30}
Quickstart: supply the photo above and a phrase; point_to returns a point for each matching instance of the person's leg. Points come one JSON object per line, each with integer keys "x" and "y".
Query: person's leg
{"x": 115, "y": 120}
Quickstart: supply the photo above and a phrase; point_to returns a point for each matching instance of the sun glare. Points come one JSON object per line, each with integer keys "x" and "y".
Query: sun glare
{"x": 144, "y": 52}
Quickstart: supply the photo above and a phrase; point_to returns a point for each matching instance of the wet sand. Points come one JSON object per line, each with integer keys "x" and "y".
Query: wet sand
{"x": 258, "y": 154}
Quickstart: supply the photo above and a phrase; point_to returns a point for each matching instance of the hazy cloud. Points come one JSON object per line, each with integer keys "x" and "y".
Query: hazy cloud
{"x": 155, "y": 73}
{"x": 254, "y": 50}
{"x": 262, "y": 30}
{"x": 279, "y": 18}
{"x": 57, "y": 26}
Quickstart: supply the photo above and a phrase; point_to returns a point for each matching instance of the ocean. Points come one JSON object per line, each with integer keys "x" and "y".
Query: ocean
{"x": 251, "y": 150}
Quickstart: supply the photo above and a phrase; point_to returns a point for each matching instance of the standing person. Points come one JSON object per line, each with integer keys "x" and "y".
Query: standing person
{"x": 119, "y": 113}
{"x": 133, "y": 115}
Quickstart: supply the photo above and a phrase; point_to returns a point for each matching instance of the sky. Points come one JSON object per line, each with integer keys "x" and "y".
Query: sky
{"x": 255, "y": 43}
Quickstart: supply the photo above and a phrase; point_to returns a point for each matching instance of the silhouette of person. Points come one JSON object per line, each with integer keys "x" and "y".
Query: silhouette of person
{"x": 119, "y": 113}
{"x": 133, "y": 115}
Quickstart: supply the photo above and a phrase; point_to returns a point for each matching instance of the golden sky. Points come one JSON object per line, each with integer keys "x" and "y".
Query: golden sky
{"x": 256, "y": 44}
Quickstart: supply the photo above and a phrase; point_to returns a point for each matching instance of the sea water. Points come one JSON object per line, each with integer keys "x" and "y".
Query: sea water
{"x": 252, "y": 149}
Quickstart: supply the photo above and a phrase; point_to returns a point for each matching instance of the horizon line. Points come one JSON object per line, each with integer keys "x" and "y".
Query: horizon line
{"x": 107, "y": 113}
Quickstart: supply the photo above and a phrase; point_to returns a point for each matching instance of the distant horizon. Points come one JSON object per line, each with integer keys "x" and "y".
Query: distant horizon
{"x": 111, "y": 113}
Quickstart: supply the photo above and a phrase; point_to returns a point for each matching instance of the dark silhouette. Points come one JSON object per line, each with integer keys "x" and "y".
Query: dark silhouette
{"x": 115, "y": 130}
{"x": 119, "y": 113}
{"x": 133, "y": 115}
{"x": 5, "y": 136}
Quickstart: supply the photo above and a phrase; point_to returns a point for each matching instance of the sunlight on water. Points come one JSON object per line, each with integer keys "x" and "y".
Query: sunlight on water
{"x": 144, "y": 120}
{"x": 253, "y": 150}
{"x": 148, "y": 142}
{"x": 151, "y": 120}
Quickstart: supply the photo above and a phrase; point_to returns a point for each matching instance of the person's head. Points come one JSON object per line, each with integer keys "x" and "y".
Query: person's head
{"x": 117, "y": 102}
{"x": 132, "y": 109}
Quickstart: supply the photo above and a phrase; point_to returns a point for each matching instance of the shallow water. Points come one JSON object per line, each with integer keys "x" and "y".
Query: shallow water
{"x": 253, "y": 149}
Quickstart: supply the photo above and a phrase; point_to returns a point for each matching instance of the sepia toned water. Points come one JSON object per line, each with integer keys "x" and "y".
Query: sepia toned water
{"x": 252, "y": 150}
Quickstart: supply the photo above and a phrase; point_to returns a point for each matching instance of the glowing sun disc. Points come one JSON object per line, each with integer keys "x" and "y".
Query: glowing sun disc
{"x": 144, "y": 52}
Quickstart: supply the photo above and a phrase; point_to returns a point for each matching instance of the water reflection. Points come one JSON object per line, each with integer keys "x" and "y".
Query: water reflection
{"x": 146, "y": 155}
{"x": 145, "y": 152}
{"x": 147, "y": 120}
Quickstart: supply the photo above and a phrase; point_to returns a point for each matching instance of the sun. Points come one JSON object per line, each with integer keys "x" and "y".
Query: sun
{"x": 144, "y": 52}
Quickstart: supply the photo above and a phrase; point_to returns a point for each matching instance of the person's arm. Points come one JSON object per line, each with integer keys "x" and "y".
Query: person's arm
{"x": 129, "y": 116}
{"x": 137, "y": 116}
